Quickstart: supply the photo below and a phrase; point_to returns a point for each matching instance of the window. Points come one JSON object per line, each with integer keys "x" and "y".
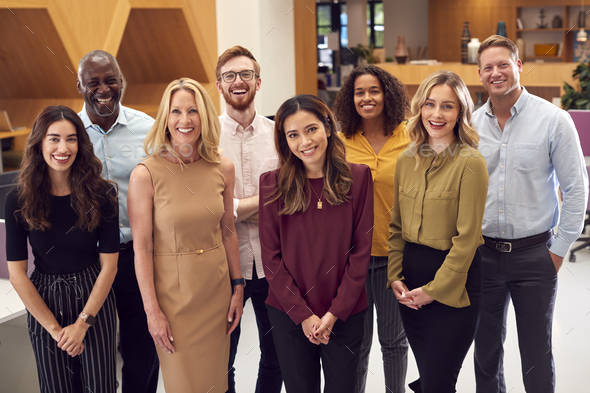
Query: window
{"x": 375, "y": 20}
{"x": 331, "y": 21}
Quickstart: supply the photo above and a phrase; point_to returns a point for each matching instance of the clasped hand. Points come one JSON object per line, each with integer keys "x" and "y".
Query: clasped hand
{"x": 71, "y": 337}
{"x": 318, "y": 330}
{"x": 415, "y": 299}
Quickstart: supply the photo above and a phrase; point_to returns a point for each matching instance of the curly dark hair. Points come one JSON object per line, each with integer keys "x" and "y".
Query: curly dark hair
{"x": 89, "y": 190}
{"x": 395, "y": 101}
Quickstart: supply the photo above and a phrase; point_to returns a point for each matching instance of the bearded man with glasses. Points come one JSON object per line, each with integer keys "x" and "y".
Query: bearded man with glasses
{"x": 247, "y": 139}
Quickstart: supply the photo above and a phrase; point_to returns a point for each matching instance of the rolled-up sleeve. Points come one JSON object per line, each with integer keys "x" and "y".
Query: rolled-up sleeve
{"x": 570, "y": 169}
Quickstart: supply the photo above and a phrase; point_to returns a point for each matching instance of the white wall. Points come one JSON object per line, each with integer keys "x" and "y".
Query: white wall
{"x": 266, "y": 27}
{"x": 407, "y": 18}
{"x": 357, "y": 22}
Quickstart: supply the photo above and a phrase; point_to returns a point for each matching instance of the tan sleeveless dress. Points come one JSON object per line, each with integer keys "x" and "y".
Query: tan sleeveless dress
{"x": 191, "y": 274}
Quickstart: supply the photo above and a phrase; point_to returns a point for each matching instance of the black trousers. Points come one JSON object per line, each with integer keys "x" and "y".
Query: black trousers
{"x": 92, "y": 371}
{"x": 138, "y": 351}
{"x": 526, "y": 276}
{"x": 300, "y": 359}
{"x": 439, "y": 335}
{"x": 269, "y": 370}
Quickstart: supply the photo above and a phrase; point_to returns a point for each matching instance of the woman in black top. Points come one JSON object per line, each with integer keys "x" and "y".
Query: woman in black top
{"x": 69, "y": 214}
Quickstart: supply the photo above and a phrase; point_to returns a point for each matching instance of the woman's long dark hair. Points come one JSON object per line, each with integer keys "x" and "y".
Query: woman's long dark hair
{"x": 395, "y": 101}
{"x": 88, "y": 189}
{"x": 292, "y": 181}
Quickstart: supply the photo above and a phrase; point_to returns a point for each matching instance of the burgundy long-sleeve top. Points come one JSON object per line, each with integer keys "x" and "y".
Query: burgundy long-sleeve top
{"x": 317, "y": 260}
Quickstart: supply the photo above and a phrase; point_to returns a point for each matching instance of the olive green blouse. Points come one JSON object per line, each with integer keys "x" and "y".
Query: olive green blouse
{"x": 439, "y": 204}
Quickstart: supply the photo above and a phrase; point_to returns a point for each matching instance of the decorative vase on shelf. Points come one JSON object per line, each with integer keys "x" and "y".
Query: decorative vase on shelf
{"x": 465, "y": 38}
{"x": 472, "y": 49}
{"x": 521, "y": 48}
{"x": 556, "y": 23}
{"x": 501, "y": 29}
{"x": 401, "y": 52}
{"x": 581, "y": 19}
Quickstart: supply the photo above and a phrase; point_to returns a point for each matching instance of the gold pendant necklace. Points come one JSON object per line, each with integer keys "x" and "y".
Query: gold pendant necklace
{"x": 319, "y": 197}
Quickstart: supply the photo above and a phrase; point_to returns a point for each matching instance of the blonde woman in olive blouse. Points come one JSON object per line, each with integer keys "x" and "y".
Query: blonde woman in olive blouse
{"x": 439, "y": 195}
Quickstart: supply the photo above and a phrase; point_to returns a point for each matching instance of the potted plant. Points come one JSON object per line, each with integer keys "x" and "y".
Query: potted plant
{"x": 365, "y": 52}
{"x": 573, "y": 99}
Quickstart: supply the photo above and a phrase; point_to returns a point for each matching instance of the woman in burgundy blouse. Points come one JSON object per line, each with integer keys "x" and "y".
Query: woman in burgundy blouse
{"x": 316, "y": 218}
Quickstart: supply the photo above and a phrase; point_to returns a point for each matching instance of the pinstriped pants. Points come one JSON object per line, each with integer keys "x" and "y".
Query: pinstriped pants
{"x": 390, "y": 329}
{"x": 65, "y": 296}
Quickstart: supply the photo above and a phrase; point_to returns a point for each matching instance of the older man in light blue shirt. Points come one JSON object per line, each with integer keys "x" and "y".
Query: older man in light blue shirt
{"x": 531, "y": 148}
{"x": 117, "y": 134}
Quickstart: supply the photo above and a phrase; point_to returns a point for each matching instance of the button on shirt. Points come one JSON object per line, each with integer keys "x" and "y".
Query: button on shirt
{"x": 120, "y": 149}
{"x": 538, "y": 152}
{"x": 252, "y": 150}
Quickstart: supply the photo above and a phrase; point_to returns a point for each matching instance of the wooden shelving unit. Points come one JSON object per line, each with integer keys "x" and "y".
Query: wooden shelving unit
{"x": 564, "y": 35}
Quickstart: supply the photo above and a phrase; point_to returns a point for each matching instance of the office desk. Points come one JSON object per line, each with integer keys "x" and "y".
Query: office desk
{"x": 12, "y": 306}
{"x": 11, "y": 134}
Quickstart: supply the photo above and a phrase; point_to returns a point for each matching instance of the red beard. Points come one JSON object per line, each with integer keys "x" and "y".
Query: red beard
{"x": 241, "y": 105}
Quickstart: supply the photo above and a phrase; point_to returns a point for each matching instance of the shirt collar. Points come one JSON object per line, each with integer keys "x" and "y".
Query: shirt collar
{"x": 121, "y": 118}
{"x": 234, "y": 126}
{"x": 516, "y": 108}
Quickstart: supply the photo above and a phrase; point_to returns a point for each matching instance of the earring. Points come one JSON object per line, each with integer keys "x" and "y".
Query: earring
{"x": 458, "y": 120}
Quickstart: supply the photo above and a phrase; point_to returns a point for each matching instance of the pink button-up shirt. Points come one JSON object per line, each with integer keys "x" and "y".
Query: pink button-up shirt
{"x": 252, "y": 150}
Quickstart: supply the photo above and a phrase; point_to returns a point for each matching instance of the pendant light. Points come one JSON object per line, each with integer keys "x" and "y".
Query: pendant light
{"x": 582, "y": 35}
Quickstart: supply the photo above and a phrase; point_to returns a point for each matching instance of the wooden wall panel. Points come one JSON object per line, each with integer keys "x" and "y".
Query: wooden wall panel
{"x": 306, "y": 73}
{"x": 92, "y": 21}
{"x": 446, "y": 19}
{"x": 33, "y": 60}
{"x": 204, "y": 32}
{"x": 157, "y": 47}
{"x": 114, "y": 36}
{"x": 155, "y": 42}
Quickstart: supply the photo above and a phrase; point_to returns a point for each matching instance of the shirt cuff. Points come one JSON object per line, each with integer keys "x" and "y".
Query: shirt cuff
{"x": 560, "y": 247}
{"x": 236, "y": 205}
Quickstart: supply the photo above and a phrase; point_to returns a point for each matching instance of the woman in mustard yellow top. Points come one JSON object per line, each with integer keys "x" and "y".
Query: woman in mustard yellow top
{"x": 439, "y": 196}
{"x": 371, "y": 109}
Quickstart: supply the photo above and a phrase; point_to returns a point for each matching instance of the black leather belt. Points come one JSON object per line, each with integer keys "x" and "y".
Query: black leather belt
{"x": 126, "y": 246}
{"x": 507, "y": 245}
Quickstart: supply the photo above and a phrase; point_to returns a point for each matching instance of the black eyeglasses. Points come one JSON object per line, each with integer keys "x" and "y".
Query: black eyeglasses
{"x": 230, "y": 76}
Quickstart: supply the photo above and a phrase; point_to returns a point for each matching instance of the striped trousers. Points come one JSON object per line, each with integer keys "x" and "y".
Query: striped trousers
{"x": 392, "y": 337}
{"x": 65, "y": 295}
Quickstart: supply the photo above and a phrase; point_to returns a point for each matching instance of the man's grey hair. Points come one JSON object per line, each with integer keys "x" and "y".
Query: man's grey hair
{"x": 98, "y": 53}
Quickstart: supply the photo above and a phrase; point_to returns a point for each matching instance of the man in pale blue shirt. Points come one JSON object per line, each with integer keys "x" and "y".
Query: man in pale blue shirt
{"x": 531, "y": 148}
{"x": 117, "y": 133}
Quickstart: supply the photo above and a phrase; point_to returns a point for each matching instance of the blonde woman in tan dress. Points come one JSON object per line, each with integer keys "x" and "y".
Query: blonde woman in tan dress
{"x": 187, "y": 259}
